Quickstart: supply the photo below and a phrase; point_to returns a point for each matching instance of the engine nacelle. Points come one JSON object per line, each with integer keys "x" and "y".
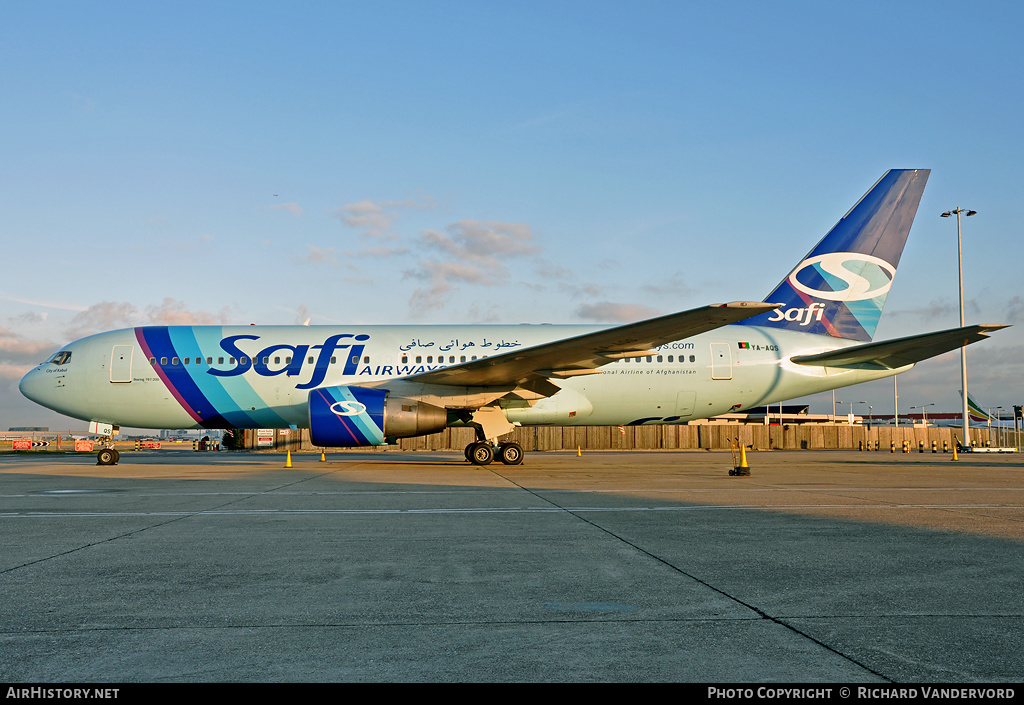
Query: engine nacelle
{"x": 359, "y": 416}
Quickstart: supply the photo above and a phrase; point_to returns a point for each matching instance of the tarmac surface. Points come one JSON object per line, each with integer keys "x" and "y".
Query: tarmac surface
{"x": 644, "y": 566}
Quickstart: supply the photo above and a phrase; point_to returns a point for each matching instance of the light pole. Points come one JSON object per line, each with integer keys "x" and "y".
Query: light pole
{"x": 896, "y": 400}
{"x": 869, "y": 410}
{"x": 963, "y": 349}
{"x": 998, "y": 425}
{"x": 924, "y": 412}
{"x": 851, "y": 403}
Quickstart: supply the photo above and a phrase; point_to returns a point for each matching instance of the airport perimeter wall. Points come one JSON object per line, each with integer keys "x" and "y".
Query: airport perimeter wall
{"x": 714, "y": 436}
{"x": 709, "y": 436}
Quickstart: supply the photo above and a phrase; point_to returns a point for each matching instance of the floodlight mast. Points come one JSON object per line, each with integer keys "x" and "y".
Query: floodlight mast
{"x": 963, "y": 349}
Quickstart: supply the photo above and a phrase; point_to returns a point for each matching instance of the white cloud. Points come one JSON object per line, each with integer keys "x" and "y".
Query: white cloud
{"x": 30, "y": 317}
{"x": 106, "y": 315}
{"x": 375, "y": 218}
{"x": 294, "y": 208}
{"x": 483, "y": 243}
{"x": 941, "y": 310}
{"x": 321, "y": 255}
{"x": 674, "y": 289}
{"x": 1015, "y": 309}
{"x": 377, "y": 252}
{"x": 172, "y": 312}
{"x": 441, "y": 275}
{"x": 43, "y": 304}
{"x": 608, "y": 312}
{"x": 476, "y": 251}
{"x": 110, "y": 315}
{"x": 18, "y": 355}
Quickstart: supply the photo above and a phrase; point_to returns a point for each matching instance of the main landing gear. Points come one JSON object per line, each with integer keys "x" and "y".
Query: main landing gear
{"x": 490, "y": 424}
{"x": 483, "y": 453}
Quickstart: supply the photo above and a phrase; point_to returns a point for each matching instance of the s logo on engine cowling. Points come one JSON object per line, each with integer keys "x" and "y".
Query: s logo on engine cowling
{"x": 858, "y": 288}
{"x": 348, "y": 408}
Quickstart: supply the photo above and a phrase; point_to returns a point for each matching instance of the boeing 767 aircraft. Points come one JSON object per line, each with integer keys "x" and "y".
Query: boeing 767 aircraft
{"x": 367, "y": 385}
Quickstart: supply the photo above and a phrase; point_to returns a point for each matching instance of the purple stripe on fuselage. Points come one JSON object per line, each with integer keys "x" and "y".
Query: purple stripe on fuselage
{"x": 156, "y": 343}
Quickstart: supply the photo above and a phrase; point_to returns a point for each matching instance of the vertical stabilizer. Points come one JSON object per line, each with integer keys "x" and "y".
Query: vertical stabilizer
{"x": 840, "y": 287}
{"x": 977, "y": 413}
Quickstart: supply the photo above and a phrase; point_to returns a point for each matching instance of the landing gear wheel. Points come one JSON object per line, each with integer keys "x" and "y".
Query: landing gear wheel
{"x": 117, "y": 455}
{"x": 510, "y": 453}
{"x": 107, "y": 456}
{"x": 481, "y": 453}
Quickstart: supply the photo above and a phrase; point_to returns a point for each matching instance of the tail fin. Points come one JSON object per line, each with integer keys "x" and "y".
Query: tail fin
{"x": 977, "y": 413}
{"x": 839, "y": 288}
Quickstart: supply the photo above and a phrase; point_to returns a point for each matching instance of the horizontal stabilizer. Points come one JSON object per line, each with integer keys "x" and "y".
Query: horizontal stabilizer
{"x": 892, "y": 354}
{"x": 591, "y": 350}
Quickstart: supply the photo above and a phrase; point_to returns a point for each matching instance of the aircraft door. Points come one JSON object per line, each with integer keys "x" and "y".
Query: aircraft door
{"x": 685, "y": 402}
{"x": 121, "y": 363}
{"x": 721, "y": 361}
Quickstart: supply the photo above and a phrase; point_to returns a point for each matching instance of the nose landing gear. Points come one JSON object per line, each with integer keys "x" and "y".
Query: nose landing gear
{"x": 108, "y": 456}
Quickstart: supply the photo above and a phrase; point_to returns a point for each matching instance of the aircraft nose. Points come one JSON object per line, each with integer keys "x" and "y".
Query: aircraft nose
{"x": 31, "y": 386}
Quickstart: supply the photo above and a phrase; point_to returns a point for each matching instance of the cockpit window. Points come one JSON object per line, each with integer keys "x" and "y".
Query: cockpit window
{"x": 62, "y": 357}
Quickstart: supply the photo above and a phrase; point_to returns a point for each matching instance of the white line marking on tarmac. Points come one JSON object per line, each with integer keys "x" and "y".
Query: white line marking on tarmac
{"x": 496, "y": 510}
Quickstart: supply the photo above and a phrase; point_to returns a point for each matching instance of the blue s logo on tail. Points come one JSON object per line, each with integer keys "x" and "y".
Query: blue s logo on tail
{"x": 839, "y": 288}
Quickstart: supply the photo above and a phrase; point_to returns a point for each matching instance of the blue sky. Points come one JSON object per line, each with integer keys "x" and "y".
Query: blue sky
{"x": 473, "y": 162}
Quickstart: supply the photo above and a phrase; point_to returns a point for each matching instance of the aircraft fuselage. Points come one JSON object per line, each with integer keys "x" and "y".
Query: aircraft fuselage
{"x": 261, "y": 376}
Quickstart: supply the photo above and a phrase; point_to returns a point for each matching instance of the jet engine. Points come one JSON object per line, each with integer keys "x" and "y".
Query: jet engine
{"x": 359, "y": 416}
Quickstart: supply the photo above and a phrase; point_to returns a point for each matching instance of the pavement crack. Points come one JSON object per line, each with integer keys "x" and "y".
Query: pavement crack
{"x": 753, "y": 608}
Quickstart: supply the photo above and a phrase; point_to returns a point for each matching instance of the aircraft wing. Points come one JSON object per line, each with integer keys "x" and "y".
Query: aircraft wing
{"x": 583, "y": 354}
{"x": 891, "y": 354}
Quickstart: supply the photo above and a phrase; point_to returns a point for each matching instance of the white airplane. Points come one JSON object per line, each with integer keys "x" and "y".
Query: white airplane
{"x": 367, "y": 385}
